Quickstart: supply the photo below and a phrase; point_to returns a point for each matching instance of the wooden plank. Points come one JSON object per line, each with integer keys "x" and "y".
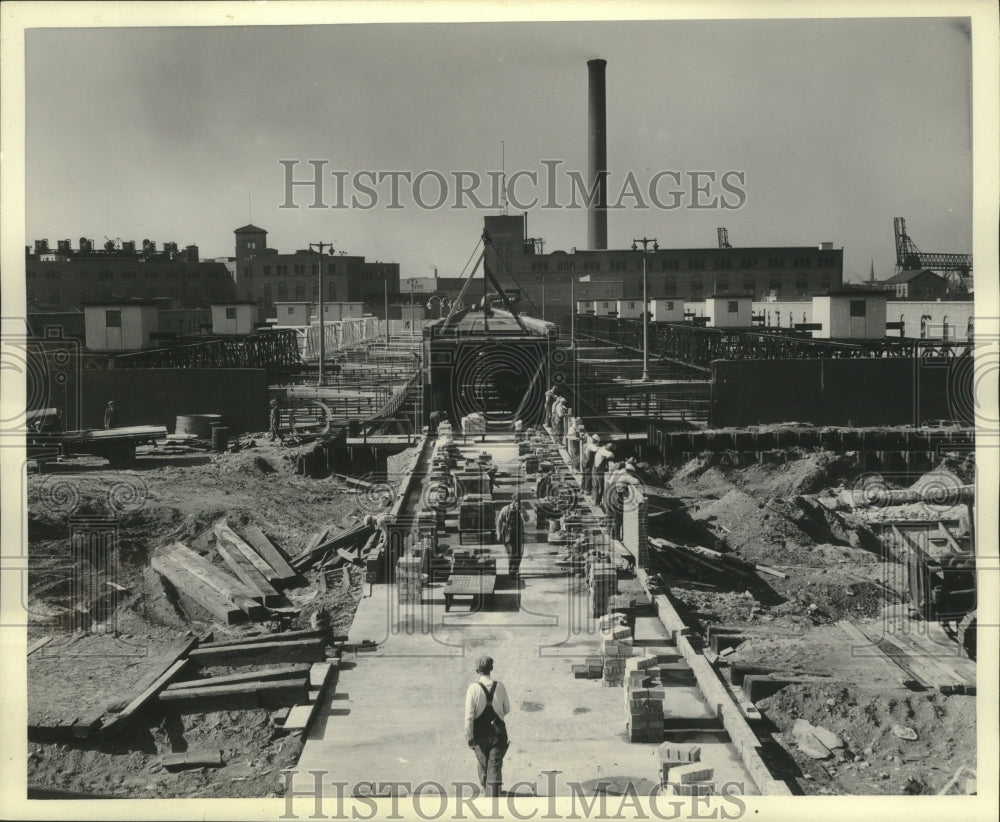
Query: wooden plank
{"x": 202, "y": 593}
{"x": 301, "y": 717}
{"x": 879, "y": 651}
{"x": 192, "y": 759}
{"x": 223, "y": 582}
{"x": 305, "y": 650}
{"x": 284, "y": 636}
{"x": 257, "y": 675}
{"x": 274, "y": 556}
{"x": 248, "y": 696}
{"x": 119, "y": 722}
{"x": 341, "y": 540}
{"x": 230, "y": 537}
{"x": 38, "y": 643}
{"x": 247, "y": 574}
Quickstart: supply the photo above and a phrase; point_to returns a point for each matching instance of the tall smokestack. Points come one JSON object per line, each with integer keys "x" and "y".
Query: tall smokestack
{"x": 597, "y": 157}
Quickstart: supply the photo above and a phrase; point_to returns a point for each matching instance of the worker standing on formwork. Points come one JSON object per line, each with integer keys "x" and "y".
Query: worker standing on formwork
{"x": 550, "y": 398}
{"x": 587, "y": 463}
{"x": 601, "y": 458}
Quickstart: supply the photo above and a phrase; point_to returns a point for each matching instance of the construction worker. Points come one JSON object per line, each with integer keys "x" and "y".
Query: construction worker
{"x": 273, "y": 421}
{"x": 110, "y": 415}
{"x": 623, "y": 491}
{"x": 543, "y": 490}
{"x": 601, "y": 458}
{"x": 486, "y": 705}
{"x": 587, "y": 463}
{"x": 550, "y": 398}
{"x": 510, "y": 531}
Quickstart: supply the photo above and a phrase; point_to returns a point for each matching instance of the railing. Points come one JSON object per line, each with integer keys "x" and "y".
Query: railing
{"x": 270, "y": 349}
{"x": 698, "y": 347}
{"x": 339, "y": 335}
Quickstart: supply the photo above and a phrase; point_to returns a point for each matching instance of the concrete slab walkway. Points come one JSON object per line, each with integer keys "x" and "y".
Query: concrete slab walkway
{"x": 396, "y": 712}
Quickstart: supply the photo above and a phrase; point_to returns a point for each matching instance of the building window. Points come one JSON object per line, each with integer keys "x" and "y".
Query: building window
{"x": 332, "y": 269}
{"x": 128, "y": 275}
{"x": 282, "y": 291}
{"x": 104, "y": 275}
{"x": 291, "y": 309}
{"x": 282, "y": 270}
{"x": 802, "y": 262}
{"x": 775, "y": 262}
{"x": 112, "y": 319}
{"x": 801, "y": 283}
{"x": 300, "y": 290}
{"x": 267, "y": 271}
{"x": 230, "y": 312}
{"x": 251, "y": 243}
{"x": 51, "y": 274}
{"x": 315, "y": 291}
{"x": 696, "y": 265}
{"x": 774, "y": 283}
{"x": 670, "y": 286}
{"x": 722, "y": 284}
{"x": 315, "y": 269}
{"x": 696, "y": 287}
{"x": 824, "y": 282}
{"x": 723, "y": 263}
{"x": 748, "y": 262}
{"x": 857, "y": 308}
{"x": 750, "y": 283}
{"x": 732, "y": 307}
{"x": 151, "y": 274}
{"x": 670, "y": 305}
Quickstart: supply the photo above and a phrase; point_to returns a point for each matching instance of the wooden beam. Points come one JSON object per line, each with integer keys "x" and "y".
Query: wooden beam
{"x": 38, "y": 643}
{"x": 274, "y": 556}
{"x": 192, "y": 759}
{"x": 284, "y": 636}
{"x": 257, "y": 675}
{"x": 248, "y": 574}
{"x": 222, "y": 581}
{"x": 246, "y": 696}
{"x": 233, "y": 539}
{"x": 264, "y": 653}
{"x": 198, "y": 590}
{"x": 119, "y": 722}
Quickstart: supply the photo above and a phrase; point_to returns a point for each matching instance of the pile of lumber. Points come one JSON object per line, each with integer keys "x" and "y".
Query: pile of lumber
{"x": 325, "y": 543}
{"x": 687, "y": 559}
{"x": 286, "y": 682}
{"x": 246, "y": 591}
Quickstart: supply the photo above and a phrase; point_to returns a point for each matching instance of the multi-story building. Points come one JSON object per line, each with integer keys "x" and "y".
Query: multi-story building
{"x": 267, "y": 276}
{"x": 688, "y": 274}
{"x": 68, "y": 278}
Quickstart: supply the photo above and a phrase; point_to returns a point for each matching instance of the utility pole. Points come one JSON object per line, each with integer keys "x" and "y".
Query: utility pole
{"x": 572, "y": 306}
{"x": 385, "y": 282}
{"x": 319, "y": 296}
{"x": 645, "y": 303}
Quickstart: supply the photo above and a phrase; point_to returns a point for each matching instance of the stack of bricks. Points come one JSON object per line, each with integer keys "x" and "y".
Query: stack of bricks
{"x": 592, "y": 669}
{"x": 616, "y": 649}
{"x": 602, "y": 583}
{"x": 427, "y": 529}
{"x": 682, "y": 772}
{"x": 409, "y": 582}
{"x": 634, "y": 530}
{"x": 644, "y": 714}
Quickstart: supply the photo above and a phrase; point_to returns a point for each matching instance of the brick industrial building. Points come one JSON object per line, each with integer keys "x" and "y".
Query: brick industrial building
{"x": 689, "y": 274}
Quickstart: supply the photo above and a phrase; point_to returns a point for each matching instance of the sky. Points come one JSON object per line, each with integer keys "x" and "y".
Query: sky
{"x": 176, "y": 134}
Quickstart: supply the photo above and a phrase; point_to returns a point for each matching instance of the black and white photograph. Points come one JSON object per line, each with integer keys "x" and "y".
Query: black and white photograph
{"x": 508, "y": 410}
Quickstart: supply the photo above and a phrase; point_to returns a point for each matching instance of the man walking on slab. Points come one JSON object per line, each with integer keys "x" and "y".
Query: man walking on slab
{"x": 510, "y": 531}
{"x": 486, "y": 705}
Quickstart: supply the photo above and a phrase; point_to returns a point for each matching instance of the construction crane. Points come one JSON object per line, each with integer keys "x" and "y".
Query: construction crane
{"x": 956, "y": 267}
{"x": 724, "y": 238}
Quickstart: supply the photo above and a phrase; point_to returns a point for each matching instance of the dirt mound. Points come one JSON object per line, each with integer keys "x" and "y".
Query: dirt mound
{"x": 804, "y": 472}
{"x": 757, "y": 530}
{"x": 876, "y": 759}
